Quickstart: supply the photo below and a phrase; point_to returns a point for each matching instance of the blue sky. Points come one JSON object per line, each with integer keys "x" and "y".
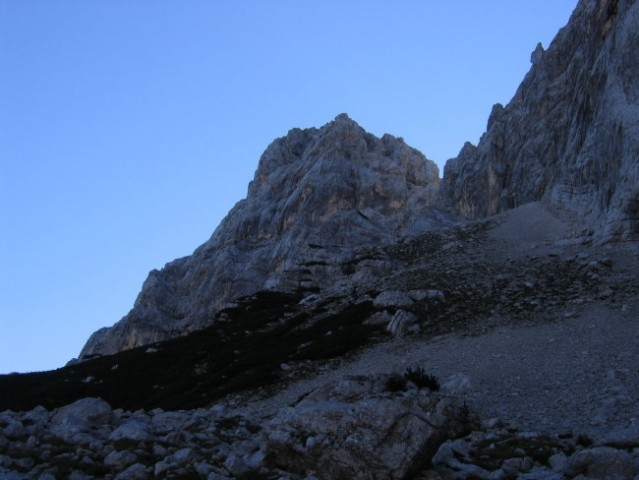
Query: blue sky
{"x": 129, "y": 129}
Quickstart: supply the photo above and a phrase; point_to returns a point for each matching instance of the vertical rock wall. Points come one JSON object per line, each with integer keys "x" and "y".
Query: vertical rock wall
{"x": 570, "y": 135}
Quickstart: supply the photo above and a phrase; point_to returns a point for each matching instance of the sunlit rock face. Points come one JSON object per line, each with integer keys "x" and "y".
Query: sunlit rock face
{"x": 570, "y": 135}
{"x": 337, "y": 188}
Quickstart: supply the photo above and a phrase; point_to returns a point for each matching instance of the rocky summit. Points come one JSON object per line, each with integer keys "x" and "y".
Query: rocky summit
{"x": 315, "y": 192}
{"x": 356, "y": 317}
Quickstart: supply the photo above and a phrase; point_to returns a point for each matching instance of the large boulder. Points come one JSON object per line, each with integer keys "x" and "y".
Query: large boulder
{"x": 602, "y": 462}
{"x": 132, "y": 430}
{"x": 570, "y": 135}
{"x": 355, "y": 429}
{"x": 81, "y": 416}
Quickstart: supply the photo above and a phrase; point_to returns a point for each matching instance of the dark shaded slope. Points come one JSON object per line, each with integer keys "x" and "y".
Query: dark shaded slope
{"x": 244, "y": 350}
{"x": 478, "y": 282}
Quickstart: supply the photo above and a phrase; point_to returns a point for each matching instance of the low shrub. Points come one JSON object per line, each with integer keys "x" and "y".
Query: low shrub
{"x": 584, "y": 440}
{"x": 421, "y": 379}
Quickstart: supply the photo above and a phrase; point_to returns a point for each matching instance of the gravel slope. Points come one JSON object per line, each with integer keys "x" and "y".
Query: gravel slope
{"x": 576, "y": 369}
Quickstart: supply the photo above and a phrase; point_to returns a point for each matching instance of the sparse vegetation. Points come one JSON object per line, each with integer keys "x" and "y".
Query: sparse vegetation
{"x": 584, "y": 440}
{"x": 463, "y": 422}
{"x": 421, "y": 379}
{"x": 396, "y": 383}
{"x": 491, "y": 453}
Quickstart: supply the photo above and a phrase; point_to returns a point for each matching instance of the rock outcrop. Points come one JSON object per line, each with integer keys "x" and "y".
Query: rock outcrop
{"x": 315, "y": 190}
{"x": 354, "y": 428}
{"x": 570, "y": 135}
{"x": 499, "y": 452}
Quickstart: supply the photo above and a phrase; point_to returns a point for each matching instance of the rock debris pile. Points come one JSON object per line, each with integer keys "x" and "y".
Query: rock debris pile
{"x": 355, "y": 428}
{"x": 358, "y": 428}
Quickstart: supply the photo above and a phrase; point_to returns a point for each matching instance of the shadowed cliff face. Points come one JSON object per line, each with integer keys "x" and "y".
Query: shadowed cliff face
{"x": 335, "y": 187}
{"x": 570, "y": 135}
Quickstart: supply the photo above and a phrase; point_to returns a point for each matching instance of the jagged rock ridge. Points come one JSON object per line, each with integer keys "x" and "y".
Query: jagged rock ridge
{"x": 336, "y": 187}
{"x": 570, "y": 135}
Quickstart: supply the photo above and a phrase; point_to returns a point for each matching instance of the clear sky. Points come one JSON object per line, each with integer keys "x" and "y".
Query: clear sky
{"x": 129, "y": 129}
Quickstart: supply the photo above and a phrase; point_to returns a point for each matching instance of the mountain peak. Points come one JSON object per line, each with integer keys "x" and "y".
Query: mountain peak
{"x": 342, "y": 141}
{"x": 336, "y": 185}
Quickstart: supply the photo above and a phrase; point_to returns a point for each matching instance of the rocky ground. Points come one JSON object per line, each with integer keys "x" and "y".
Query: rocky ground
{"x": 530, "y": 328}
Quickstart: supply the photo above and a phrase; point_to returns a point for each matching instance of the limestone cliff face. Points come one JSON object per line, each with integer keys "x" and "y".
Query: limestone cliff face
{"x": 336, "y": 187}
{"x": 570, "y": 135}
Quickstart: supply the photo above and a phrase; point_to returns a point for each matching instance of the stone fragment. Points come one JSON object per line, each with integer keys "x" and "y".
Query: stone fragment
{"x": 558, "y": 462}
{"x": 165, "y": 422}
{"x": 418, "y": 295}
{"x": 15, "y": 430}
{"x": 133, "y": 430}
{"x": 236, "y": 465}
{"x": 183, "y": 456}
{"x": 379, "y": 318}
{"x": 541, "y": 473}
{"x": 24, "y": 464}
{"x": 160, "y": 467}
{"x": 393, "y": 298}
{"x": 431, "y": 294}
{"x": 435, "y": 295}
{"x": 457, "y": 383}
{"x": 602, "y": 462}
{"x": 38, "y": 416}
{"x": 47, "y": 476}
{"x": 402, "y": 323}
{"x": 8, "y": 475}
{"x": 80, "y": 416}
{"x": 516, "y": 465}
{"x": 79, "y": 475}
{"x": 203, "y": 469}
{"x": 254, "y": 460}
{"x": 217, "y": 476}
{"x": 120, "y": 459}
{"x": 429, "y": 475}
{"x": 137, "y": 471}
